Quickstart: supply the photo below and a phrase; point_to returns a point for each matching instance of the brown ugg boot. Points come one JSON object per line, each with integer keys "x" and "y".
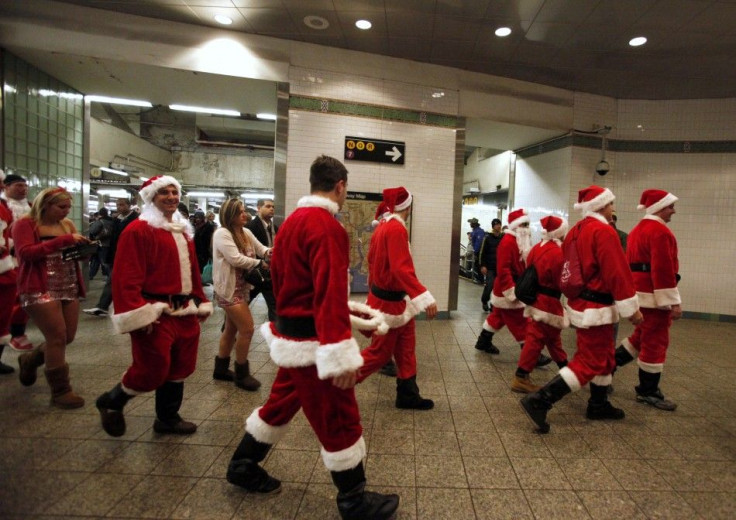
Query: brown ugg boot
{"x": 28, "y": 363}
{"x": 243, "y": 379}
{"x": 62, "y": 395}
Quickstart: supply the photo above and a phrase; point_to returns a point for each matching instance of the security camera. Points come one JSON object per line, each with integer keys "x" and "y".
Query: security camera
{"x": 602, "y": 168}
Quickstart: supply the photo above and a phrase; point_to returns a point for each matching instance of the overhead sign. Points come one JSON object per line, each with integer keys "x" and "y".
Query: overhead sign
{"x": 374, "y": 150}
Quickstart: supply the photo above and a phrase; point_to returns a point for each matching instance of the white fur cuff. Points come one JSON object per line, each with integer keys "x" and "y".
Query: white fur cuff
{"x": 651, "y": 368}
{"x": 289, "y": 353}
{"x": 423, "y": 301}
{"x": 6, "y": 264}
{"x": 261, "y": 430}
{"x": 667, "y": 297}
{"x": 505, "y": 303}
{"x": 602, "y": 380}
{"x": 338, "y": 358}
{"x": 376, "y": 322}
{"x": 627, "y": 307}
{"x": 137, "y": 318}
{"x": 205, "y": 309}
{"x": 630, "y": 348}
{"x": 570, "y": 378}
{"x": 555, "y": 320}
{"x": 344, "y": 459}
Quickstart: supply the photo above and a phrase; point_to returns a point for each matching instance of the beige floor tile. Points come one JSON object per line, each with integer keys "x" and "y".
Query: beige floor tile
{"x": 536, "y": 473}
{"x": 712, "y": 506}
{"x": 490, "y": 473}
{"x": 441, "y": 504}
{"x": 610, "y": 505}
{"x": 663, "y": 504}
{"x": 154, "y": 497}
{"x": 556, "y": 505}
{"x": 440, "y": 471}
{"x": 501, "y": 504}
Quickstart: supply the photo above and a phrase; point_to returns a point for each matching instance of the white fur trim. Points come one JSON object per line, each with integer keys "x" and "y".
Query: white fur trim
{"x": 627, "y": 307}
{"x": 395, "y": 321}
{"x": 149, "y": 192}
{"x": 344, "y": 459}
{"x": 338, "y": 358}
{"x": 130, "y": 391}
{"x": 556, "y": 233}
{"x": 592, "y": 317}
{"x": 597, "y": 202}
{"x": 376, "y": 322}
{"x": 570, "y": 378}
{"x": 405, "y": 204}
{"x": 156, "y": 219}
{"x": 555, "y": 320}
{"x": 394, "y": 216}
{"x": 505, "y": 303}
{"x": 660, "y": 204}
{"x": 519, "y": 221}
{"x": 667, "y": 297}
{"x": 185, "y": 265}
{"x": 596, "y": 216}
{"x": 205, "y": 309}
{"x": 630, "y": 348}
{"x": 488, "y": 328}
{"x": 510, "y": 294}
{"x": 646, "y": 300}
{"x": 6, "y": 264}
{"x": 4, "y": 340}
{"x": 289, "y": 353}
{"x": 137, "y": 318}
{"x": 315, "y": 201}
{"x": 421, "y": 302}
{"x": 262, "y": 431}
{"x": 651, "y": 368}
{"x": 602, "y": 380}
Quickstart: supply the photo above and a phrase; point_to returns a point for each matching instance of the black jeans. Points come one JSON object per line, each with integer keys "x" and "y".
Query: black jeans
{"x": 490, "y": 278}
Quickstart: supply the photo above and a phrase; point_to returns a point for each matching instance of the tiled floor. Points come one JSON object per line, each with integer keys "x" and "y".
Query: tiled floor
{"x": 473, "y": 456}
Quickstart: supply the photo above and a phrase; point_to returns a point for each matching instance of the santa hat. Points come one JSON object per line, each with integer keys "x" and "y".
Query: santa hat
{"x": 655, "y": 200}
{"x": 553, "y": 227}
{"x": 382, "y": 212}
{"x": 149, "y": 188}
{"x": 517, "y": 218}
{"x": 593, "y": 198}
{"x": 397, "y": 199}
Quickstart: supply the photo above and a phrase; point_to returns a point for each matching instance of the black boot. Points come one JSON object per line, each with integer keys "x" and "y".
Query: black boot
{"x": 243, "y": 379}
{"x": 222, "y": 370}
{"x": 244, "y": 471}
{"x": 537, "y": 405}
{"x": 389, "y": 369}
{"x": 648, "y": 391}
{"x": 543, "y": 361}
{"x": 485, "y": 342}
{"x": 599, "y": 407}
{"x": 168, "y": 401}
{"x": 623, "y": 356}
{"x": 407, "y": 395}
{"x": 5, "y": 369}
{"x": 110, "y": 404}
{"x": 355, "y": 503}
{"x": 561, "y": 364}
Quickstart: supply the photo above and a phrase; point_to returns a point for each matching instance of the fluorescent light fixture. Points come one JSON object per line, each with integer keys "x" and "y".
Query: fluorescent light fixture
{"x": 224, "y": 20}
{"x": 363, "y": 24}
{"x": 119, "y": 194}
{"x": 213, "y": 194}
{"x": 636, "y": 42}
{"x": 257, "y": 195}
{"x": 438, "y": 94}
{"x": 266, "y": 116}
{"x": 9, "y": 88}
{"x": 118, "y": 101}
{"x": 113, "y": 170}
{"x": 502, "y": 32}
{"x": 204, "y": 110}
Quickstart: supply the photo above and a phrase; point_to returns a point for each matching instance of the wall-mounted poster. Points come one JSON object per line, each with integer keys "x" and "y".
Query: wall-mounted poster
{"x": 357, "y": 215}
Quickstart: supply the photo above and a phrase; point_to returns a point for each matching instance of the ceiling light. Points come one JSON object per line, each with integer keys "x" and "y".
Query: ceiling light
{"x": 113, "y": 170}
{"x": 224, "y": 20}
{"x": 266, "y": 116}
{"x": 213, "y": 194}
{"x": 502, "y": 32}
{"x": 438, "y": 94}
{"x": 257, "y": 195}
{"x": 118, "y": 101}
{"x": 118, "y": 194}
{"x": 639, "y": 40}
{"x": 316, "y": 22}
{"x": 363, "y": 24}
{"x": 203, "y": 110}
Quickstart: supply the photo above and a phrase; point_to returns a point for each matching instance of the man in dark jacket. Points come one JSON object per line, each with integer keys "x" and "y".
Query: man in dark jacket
{"x": 203, "y": 231}
{"x": 264, "y": 230}
{"x": 487, "y": 258}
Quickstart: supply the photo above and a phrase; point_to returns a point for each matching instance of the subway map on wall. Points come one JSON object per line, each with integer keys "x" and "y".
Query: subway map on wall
{"x": 357, "y": 215}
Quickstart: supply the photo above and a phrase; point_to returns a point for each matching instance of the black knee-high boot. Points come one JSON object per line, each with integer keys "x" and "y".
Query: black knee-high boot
{"x": 648, "y": 391}
{"x": 537, "y": 405}
{"x": 169, "y": 397}
{"x": 244, "y": 471}
{"x": 407, "y": 395}
{"x": 355, "y": 503}
{"x": 485, "y": 342}
{"x": 623, "y": 356}
{"x": 110, "y": 405}
{"x": 599, "y": 407}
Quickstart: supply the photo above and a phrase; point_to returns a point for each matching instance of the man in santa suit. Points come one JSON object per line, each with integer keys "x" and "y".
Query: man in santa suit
{"x": 547, "y": 317}
{"x": 609, "y": 292}
{"x": 158, "y": 299}
{"x": 396, "y": 291}
{"x": 311, "y": 341}
{"x": 8, "y": 274}
{"x": 652, "y": 257}
{"x": 507, "y": 309}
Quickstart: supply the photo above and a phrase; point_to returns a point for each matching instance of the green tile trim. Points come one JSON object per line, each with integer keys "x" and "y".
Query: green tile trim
{"x": 332, "y": 106}
{"x": 706, "y": 316}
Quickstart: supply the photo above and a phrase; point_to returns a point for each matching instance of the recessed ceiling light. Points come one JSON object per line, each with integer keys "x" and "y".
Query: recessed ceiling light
{"x": 363, "y": 24}
{"x": 224, "y": 20}
{"x": 266, "y": 116}
{"x": 438, "y": 94}
{"x": 502, "y": 32}
{"x": 316, "y": 22}
{"x": 636, "y": 42}
{"x": 118, "y": 101}
{"x": 205, "y": 110}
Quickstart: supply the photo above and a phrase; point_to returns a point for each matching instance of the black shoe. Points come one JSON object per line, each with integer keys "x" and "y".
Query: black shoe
{"x": 248, "y": 475}
{"x": 176, "y": 426}
{"x": 407, "y": 395}
{"x": 110, "y": 405}
{"x": 543, "y": 361}
{"x": 485, "y": 342}
{"x": 485, "y": 306}
{"x": 537, "y": 405}
{"x": 355, "y": 503}
{"x": 657, "y": 400}
{"x": 603, "y": 412}
{"x": 389, "y": 369}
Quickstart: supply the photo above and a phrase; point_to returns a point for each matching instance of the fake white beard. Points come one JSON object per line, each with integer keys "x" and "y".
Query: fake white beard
{"x": 523, "y": 241}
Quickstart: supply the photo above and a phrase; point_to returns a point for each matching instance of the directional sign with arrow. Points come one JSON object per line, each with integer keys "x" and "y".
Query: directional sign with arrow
{"x": 374, "y": 150}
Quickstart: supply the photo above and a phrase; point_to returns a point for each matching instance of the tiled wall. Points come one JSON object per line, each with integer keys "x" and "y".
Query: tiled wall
{"x": 428, "y": 171}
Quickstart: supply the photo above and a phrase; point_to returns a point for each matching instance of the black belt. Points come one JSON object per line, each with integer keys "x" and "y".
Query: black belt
{"x": 596, "y": 297}
{"x": 549, "y": 291}
{"x": 390, "y": 296}
{"x": 175, "y": 301}
{"x": 641, "y": 268}
{"x": 296, "y": 327}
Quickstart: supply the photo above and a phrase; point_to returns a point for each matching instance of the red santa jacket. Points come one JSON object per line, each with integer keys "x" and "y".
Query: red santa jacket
{"x": 651, "y": 242}
{"x": 509, "y": 266}
{"x": 155, "y": 257}
{"x": 309, "y": 269}
{"x": 7, "y": 266}
{"x": 391, "y": 268}
{"x": 605, "y": 270}
{"x": 546, "y": 257}
{"x": 31, "y": 252}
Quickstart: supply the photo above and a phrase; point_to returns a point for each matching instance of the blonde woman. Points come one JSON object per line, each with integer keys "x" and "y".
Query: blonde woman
{"x": 233, "y": 254}
{"x": 49, "y": 288}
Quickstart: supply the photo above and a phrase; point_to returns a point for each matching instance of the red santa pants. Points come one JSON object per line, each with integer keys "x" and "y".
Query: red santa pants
{"x": 400, "y": 343}
{"x": 652, "y": 336}
{"x": 169, "y": 353}
{"x": 8, "y": 297}
{"x": 538, "y": 336}
{"x": 333, "y": 413}
{"x": 512, "y": 318}
{"x": 595, "y": 355}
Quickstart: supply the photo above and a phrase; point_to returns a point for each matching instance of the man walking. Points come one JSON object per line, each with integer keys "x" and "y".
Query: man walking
{"x": 487, "y": 259}
{"x": 652, "y": 257}
{"x": 318, "y": 358}
{"x": 264, "y": 230}
{"x": 8, "y": 275}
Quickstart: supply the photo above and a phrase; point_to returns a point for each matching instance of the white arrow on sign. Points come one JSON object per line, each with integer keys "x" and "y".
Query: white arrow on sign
{"x": 394, "y": 154}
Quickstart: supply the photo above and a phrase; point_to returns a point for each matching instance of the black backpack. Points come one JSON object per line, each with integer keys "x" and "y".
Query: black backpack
{"x": 527, "y": 286}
